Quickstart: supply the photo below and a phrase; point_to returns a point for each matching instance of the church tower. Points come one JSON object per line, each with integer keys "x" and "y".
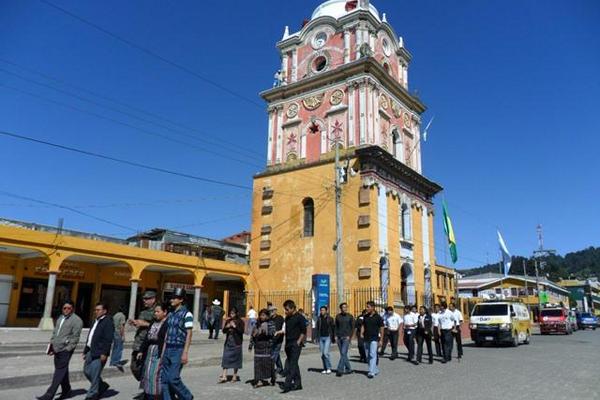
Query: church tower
{"x": 343, "y": 82}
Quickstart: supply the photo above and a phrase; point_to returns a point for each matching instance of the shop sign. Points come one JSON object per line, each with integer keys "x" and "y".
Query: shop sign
{"x": 171, "y": 286}
{"x": 67, "y": 271}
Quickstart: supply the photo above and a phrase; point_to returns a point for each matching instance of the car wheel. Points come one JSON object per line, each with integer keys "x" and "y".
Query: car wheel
{"x": 527, "y": 338}
{"x": 478, "y": 343}
{"x": 594, "y": 329}
{"x": 515, "y": 341}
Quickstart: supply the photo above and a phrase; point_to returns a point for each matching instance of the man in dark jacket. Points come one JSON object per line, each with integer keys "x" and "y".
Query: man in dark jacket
{"x": 325, "y": 330}
{"x": 344, "y": 329}
{"x": 97, "y": 350}
{"x": 424, "y": 334}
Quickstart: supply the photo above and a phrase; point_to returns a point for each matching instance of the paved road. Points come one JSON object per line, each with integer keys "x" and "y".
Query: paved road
{"x": 551, "y": 367}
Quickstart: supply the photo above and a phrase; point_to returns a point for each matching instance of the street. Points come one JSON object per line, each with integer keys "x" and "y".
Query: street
{"x": 551, "y": 367}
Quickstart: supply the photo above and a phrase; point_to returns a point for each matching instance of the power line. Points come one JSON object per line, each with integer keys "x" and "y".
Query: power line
{"x": 220, "y": 142}
{"x": 134, "y": 163}
{"x": 153, "y": 54}
{"x": 73, "y": 210}
{"x": 123, "y": 161}
{"x": 126, "y": 124}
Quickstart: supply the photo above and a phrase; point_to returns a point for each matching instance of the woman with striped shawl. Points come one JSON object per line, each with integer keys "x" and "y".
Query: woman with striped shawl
{"x": 151, "y": 351}
{"x": 262, "y": 342}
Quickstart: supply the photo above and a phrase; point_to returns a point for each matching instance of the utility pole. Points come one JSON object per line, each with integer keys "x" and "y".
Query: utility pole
{"x": 339, "y": 255}
{"x": 538, "y": 255}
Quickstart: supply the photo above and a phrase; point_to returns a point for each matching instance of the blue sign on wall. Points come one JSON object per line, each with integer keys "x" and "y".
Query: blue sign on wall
{"x": 320, "y": 289}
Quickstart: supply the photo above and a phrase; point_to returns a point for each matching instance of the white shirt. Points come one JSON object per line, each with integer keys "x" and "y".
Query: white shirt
{"x": 435, "y": 319}
{"x": 411, "y": 320}
{"x": 251, "y": 314}
{"x": 393, "y": 322}
{"x": 91, "y": 335}
{"x": 60, "y": 324}
{"x": 458, "y": 317}
{"x": 447, "y": 320}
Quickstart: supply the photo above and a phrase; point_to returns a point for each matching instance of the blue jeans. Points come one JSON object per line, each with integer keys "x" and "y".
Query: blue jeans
{"x": 117, "y": 351}
{"x": 371, "y": 350}
{"x": 276, "y": 357}
{"x": 170, "y": 375}
{"x": 344, "y": 364}
{"x": 251, "y": 325}
{"x": 92, "y": 369}
{"x": 324, "y": 346}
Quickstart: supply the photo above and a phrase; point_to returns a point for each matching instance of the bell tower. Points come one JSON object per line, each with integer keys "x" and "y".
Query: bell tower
{"x": 343, "y": 81}
{"x": 344, "y": 77}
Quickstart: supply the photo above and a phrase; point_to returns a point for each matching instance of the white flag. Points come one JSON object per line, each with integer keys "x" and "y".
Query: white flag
{"x": 506, "y": 257}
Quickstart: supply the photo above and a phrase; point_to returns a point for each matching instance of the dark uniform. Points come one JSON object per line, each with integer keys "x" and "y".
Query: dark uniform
{"x": 140, "y": 335}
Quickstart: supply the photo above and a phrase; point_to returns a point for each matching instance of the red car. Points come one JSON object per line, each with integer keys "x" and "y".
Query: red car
{"x": 555, "y": 319}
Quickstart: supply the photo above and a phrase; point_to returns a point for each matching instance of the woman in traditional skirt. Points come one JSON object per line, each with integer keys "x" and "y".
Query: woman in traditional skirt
{"x": 262, "y": 342}
{"x": 152, "y": 351}
{"x": 232, "y": 351}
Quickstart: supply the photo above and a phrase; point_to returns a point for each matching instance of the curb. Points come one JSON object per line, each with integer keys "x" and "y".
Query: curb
{"x": 18, "y": 382}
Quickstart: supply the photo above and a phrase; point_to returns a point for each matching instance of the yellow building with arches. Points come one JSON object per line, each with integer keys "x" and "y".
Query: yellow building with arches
{"x": 42, "y": 266}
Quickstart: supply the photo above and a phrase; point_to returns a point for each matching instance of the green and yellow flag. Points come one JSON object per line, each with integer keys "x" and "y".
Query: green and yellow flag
{"x": 450, "y": 235}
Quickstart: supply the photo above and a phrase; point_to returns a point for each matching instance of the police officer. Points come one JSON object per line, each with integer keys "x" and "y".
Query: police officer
{"x": 142, "y": 323}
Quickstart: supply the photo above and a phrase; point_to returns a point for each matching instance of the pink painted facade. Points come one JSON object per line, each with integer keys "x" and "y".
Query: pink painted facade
{"x": 352, "y": 110}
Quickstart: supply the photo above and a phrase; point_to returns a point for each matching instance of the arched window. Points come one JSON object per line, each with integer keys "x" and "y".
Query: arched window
{"x": 405, "y": 221}
{"x": 309, "y": 216}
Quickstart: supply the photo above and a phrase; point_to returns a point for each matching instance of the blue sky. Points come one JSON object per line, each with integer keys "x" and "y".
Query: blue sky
{"x": 513, "y": 85}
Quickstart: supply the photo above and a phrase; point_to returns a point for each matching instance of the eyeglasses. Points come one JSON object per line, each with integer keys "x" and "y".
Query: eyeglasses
{"x": 67, "y": 308}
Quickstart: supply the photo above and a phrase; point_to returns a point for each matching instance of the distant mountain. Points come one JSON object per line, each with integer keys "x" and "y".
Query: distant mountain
{"x": 580, "y": 264}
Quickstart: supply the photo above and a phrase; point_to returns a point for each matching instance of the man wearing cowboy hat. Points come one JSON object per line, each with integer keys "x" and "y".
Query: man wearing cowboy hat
{"x": 214, "y": 324}
{"x": 177, "y": 345}
{"x": 142, "y": 323}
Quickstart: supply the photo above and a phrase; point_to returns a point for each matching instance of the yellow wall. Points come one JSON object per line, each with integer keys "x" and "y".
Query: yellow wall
{"x": 294, "y": 258}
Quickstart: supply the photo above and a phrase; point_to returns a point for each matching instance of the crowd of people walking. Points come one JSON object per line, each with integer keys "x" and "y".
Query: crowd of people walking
{"x": 164, "y": 333}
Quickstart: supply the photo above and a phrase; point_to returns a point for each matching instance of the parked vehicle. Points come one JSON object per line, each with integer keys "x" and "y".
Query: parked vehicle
{"x": 587, "y": 320}
{"x": 500, "y": 322}
{"x": 555, "y": 319}
{"x": 573, "y": 320}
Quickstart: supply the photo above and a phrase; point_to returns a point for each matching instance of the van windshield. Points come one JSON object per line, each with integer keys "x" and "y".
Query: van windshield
{"x": 490, "y": 309}
{"x": 552, "y": 313}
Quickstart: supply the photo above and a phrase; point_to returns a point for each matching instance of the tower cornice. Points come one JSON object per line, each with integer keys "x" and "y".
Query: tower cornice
{"x": 343, "y": 73}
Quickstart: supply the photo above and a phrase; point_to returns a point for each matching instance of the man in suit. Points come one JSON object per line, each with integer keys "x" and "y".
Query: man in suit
{"x": 424, "y": 334}
{"x": 62, "y": 344}
{"x": 97, "y": 350}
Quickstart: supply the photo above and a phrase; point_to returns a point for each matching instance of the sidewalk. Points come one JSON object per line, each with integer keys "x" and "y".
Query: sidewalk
{"x": 24, "y": 362}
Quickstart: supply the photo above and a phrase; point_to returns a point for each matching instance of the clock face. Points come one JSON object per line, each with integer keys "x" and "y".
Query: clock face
{"x": 319, "y": 40}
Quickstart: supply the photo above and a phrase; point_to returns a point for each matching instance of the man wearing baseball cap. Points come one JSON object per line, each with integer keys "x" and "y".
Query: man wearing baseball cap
{"x": 142, "y": 323}
{"x": 177, "y": 344}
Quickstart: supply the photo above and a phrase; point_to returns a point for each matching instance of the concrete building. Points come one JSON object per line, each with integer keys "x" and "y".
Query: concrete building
{"x": 41, "y": 266}
{"x": 585, "y": 293}
{"x": 493, "y": 285}
{"x": 344, "y": 83}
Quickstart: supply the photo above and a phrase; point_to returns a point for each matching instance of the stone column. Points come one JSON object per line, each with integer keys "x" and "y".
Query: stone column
{"x": 346, "y": 46}
{"x": 46, "y": 323}
{"x": 226, "y": 302}
{"x": 133, "y": 298}
{"x": 197, "y": 292}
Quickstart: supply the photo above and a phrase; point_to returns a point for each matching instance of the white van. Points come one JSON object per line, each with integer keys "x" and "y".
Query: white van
{"x": 500, "y": 322}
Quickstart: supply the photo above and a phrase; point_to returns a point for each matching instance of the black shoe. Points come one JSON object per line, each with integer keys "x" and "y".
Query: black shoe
{"x": 286, "y": 390}
{"x": 299, "y": 387}
{"x": 415, "y": 362}
{"x": 348, "y": 372}
{"x": 443, "y": 361}
{"x": 139, "y": 396}
{"x": 338, "y": 374}
{"x": 44, "y": 397}
{"x": 103, "y": 388}
{"x": 430, "y": 362}
{"x": 66, "y": 394}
